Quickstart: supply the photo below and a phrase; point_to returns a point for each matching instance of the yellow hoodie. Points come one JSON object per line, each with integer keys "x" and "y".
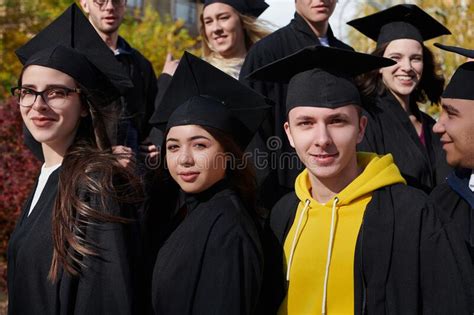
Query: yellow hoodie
{"x": 321, "y": 277}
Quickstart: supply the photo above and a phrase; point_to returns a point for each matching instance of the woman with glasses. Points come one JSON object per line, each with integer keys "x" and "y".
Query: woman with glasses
{"x": 73, "y": 249}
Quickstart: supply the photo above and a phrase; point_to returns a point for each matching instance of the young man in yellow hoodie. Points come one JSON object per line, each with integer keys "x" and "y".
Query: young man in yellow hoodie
{"x": 350, "y": 234}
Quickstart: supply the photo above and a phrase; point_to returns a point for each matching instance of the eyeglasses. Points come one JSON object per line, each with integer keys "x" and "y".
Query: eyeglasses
{"x": 103, "y": 3}
{"x": 54, "y": 97}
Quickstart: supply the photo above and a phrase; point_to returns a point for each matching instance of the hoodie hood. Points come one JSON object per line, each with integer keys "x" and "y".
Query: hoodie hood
{"x": 330, "y": 230}
{"x": 379, "y": 171}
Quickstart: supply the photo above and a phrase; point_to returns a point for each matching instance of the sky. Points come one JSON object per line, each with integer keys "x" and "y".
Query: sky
{"x": 281, "y": 12}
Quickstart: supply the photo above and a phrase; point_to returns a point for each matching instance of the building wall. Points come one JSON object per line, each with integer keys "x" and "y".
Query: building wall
{"x": 187, "y": 10}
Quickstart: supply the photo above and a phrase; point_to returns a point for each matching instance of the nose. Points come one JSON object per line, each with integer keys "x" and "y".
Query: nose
{"x": 439, "y": 126}
{"x": 405, "y": 64}
{"x": 109, "y": 5}
{"x": 216, "y": 26}
{"x": 322, "y": 137}
{"x": 39, "y": 104}
{"x": 185, "y": 158}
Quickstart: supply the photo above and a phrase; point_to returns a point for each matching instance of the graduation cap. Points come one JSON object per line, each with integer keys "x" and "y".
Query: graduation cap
{"x": 320, "y": 76}
{"x": 248, "y": 7}
{"x": 71, "y": 45}
{"x": 460, "y": 85}
{"x": 201, "y": 94}
{"x": 397, "y": 22}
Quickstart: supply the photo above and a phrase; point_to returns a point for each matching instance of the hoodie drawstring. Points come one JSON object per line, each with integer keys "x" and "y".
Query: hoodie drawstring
{"x": 328, "y": 259}
{"x": 295, "y": 239}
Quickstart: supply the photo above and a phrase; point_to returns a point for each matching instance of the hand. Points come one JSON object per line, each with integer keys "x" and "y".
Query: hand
{"x": 125, "y": 155}
{"x": 149, "y": 150}
{"x": 149, "y": 154}
{"x": 170, "y": 65}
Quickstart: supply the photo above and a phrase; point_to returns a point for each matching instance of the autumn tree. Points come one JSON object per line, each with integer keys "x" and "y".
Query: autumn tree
{"x": 153, "y": 35}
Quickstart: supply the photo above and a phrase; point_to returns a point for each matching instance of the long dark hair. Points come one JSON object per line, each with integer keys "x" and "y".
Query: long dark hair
{"x": 239, "y": 169}
{"x": 88, "y": 169}
{"x": 429, "y": 88}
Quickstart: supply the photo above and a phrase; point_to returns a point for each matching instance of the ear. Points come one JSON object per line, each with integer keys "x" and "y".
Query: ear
{"x": 362, "y": 125}
{"x": 287, "y": 128}
{"x": 85, "y": 6}
{"x": 84, "y": 111}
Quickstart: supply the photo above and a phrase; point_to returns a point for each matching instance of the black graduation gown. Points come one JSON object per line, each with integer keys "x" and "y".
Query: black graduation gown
{"x": 454, "y": 293}
{"x": 212, "y": 262}
{"x": 390, "y": 130}
{"x": 105, "y": 287}
{"x": 138, "y": 103}
{"x": 387, "y": 262}
{"x": 276, "y": 175}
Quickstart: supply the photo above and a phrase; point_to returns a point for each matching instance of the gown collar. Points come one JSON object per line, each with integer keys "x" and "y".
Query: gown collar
{"x": 193, "y": 200}
{"x": 402, "y": 116}
{"x": 301, "y": 25}
{"x": 458, "y": 180}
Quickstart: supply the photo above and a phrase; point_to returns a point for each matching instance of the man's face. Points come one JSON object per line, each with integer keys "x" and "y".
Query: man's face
{"x": 325, "y": 139}
{"x": 315, "y": 11}
{"x": 105, "y": 18}
{"x": 456, "y": 129}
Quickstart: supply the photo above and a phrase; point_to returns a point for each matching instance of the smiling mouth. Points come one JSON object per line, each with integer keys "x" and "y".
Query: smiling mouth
{"x": 42, "y": 121}
{"x": 324, "y": 159}
{"x": 320, "y": 7}
{"x": 189, "y": 177}
{"x": 405, "y": 78}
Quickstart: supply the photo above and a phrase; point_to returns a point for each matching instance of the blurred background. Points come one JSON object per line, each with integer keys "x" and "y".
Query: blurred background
{"x": 155, "y": 27}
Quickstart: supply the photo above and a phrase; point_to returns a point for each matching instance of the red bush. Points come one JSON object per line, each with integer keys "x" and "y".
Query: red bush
{"x": 17, "y": 174}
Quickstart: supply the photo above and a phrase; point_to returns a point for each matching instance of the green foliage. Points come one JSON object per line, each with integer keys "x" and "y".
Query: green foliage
{"x": 146, "y": 31}
{"x": 155, "y": 36}
{"x": 20, "y": 20}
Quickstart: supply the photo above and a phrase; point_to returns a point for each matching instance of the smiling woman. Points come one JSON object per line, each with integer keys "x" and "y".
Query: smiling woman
{"x": 74, "y": 238}
{"x": 212, "y": 262}
{"x": 396, "y": 124}
{"x": 195, "y": 159}
{"x": 229, "y": 28}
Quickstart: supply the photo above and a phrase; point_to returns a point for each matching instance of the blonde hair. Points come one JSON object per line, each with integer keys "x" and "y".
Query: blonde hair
{"x": 254, "y": 30}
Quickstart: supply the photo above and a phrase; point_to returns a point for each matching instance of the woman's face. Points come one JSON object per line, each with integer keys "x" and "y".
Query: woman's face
{"x": 403, "y": 77}
{"x": 195, "y": 159}
{"x": 223, "y": 30}
{"x": 54, "y": 126}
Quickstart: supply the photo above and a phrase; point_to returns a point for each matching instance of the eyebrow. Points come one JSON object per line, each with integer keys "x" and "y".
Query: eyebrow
{"x": 190, "y": 139}
{"x": 49, "y": 86}
{"x": 450, "y": 108}
{"x": 338, "y": 115}
{"x": 304, "y": 117}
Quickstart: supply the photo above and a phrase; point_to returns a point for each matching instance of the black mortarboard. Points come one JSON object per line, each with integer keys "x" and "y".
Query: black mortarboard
{"x": 248, "y": 7}
{"x": 201, "y": 94}
{"x": 460, "y": 85}
{"x": 71, "y": 45}
{"x": 397, "y": 22}
{"x": 320, "y": 76}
